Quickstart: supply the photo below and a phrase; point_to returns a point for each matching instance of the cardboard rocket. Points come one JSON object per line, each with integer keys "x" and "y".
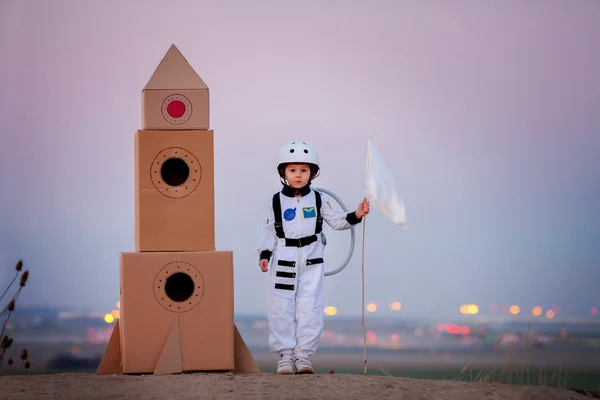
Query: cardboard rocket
{"x": 176, "y": 289}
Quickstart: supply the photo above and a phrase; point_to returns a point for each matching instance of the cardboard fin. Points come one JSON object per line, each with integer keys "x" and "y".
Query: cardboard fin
{"x": 169, "y": 361}
{"x": 111, "y": 359}
{"x": 244, "y": 362}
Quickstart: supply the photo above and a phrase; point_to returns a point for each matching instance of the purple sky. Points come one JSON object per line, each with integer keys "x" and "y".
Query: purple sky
{"x": 488, "y": 114}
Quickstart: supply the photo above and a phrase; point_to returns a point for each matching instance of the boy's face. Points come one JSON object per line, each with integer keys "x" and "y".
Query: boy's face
{"x": 297, "y": 175}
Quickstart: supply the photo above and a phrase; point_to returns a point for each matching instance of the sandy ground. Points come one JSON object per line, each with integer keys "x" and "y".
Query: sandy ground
{"x": 261, "y": 386}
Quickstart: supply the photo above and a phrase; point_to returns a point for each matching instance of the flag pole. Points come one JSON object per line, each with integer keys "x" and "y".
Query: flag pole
{"x": 363, "y": 295}
{"x": 363, "y": 263}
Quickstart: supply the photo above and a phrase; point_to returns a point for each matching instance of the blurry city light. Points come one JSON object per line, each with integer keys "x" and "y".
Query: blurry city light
{"x": 493, "y": 308}
{"x": 109, "y": 318}
{"x": 469, "y": 309}
{"x": 594, "y": 311}
{"x": 537, "y": 311}
{"x": 328, "y": 333}
{"x": 514, "y": 310}
{"x": 449, "y": 328}
{"x": 119, "y": 304}
{"x": 330, "y": 310}
{"x": 472, "y": 309}
{"x": 395, "y": 338}
{"x": 395, "y": 306}
{"x": 371, "y": 337}
{"x": 453, "y": 329}
{"x": 550, "y": 314}
{"x": 115, "y": 313}
{"x": 371, "y": 307}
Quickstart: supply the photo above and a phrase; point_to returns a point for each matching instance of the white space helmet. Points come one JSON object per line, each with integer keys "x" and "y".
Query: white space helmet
{"x": 298, "y": 152}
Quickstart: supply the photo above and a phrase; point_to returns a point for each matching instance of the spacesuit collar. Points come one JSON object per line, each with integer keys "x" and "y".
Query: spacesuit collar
{"x": 291, "y": 192}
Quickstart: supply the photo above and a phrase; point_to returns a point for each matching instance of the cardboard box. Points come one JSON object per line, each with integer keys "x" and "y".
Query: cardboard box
{"x": 175, "y": 97}
{"x": 177, "y": 306}
{"x": 174, "y": 191}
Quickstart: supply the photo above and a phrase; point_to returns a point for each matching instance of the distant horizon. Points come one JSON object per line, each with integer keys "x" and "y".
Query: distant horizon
{"x": 486, "y": 113}
{"x": 390, "y": 315}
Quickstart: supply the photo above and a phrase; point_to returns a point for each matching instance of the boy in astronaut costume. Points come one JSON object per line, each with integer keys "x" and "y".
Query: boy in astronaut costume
{"x": 295, "y": 243}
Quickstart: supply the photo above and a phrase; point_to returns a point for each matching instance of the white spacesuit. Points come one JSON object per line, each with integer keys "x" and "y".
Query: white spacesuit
{"x": 295, "y": 309}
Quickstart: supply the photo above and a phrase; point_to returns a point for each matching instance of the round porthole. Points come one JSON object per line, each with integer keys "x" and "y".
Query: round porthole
{"x": 175, "y": 172}
{"x": 179, "y": 286}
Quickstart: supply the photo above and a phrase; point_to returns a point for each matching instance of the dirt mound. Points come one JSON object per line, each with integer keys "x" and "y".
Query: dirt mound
{"x": 262, "y": 386}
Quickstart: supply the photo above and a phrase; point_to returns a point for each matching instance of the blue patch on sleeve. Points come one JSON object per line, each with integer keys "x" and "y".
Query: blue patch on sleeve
{"x": 289, "y": 214}
{"x": 309, "y": 212}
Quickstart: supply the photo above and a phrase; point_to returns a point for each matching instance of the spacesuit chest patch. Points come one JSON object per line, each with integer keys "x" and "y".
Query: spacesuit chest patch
{"x": 289, "y": 214}
{"x": 309, "y": 212}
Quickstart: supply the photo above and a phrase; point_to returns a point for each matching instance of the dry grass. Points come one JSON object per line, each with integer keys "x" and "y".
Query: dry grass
{"x": 524, "y": 375}
{"x": 518, "y": 366}
{"x": 7, "y": 342}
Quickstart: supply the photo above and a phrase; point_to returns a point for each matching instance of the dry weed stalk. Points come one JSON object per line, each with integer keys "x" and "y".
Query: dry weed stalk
{"x": 528, "y": 359}
{"x": 498, "y": 342}
{"x": 6, "y": 341}
{"x": 563, "y": 354}
{"x": 523, "y": 376}
{"x": 530, "y": 356}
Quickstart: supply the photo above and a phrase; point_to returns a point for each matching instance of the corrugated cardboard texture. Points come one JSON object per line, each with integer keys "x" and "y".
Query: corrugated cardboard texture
{"x": 206, "y": 328}
{"x": 175, "y": 97}
{"x": 174, "y": 218}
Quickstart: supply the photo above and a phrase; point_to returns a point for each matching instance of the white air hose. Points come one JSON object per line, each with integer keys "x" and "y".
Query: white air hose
{"x": 352, "y": 234}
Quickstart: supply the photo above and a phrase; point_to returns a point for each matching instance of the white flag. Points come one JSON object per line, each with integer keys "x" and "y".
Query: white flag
{"x": 380, "y": 189}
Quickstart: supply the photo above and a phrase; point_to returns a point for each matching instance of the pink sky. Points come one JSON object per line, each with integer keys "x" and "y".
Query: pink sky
{"x": 488, "y": 113}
